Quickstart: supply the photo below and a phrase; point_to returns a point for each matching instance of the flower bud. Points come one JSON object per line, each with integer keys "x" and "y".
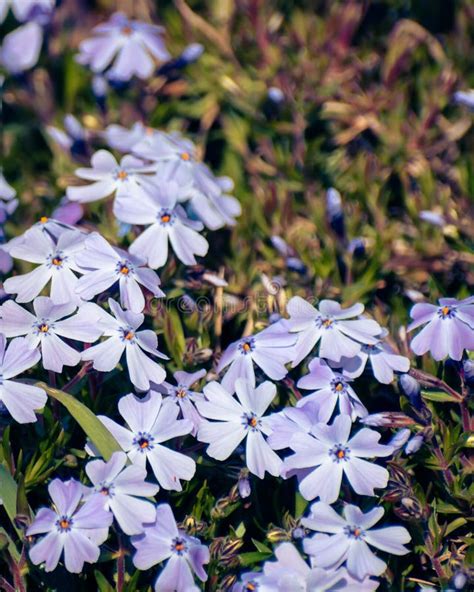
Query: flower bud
{"x": 411, "y": 388}
{"x": 414, "y": 444}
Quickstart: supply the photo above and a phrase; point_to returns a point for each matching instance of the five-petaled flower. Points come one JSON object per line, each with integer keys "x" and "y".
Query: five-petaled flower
{"x": 184, "y": 555}
{"x": 237, "y": 420}
{"x": 349, "y": 539}
{"x": 74, "y": 527}
{"x": 120, "y": 489}
{"x": 327, "y": 453}
{"x": 150, "y": 423}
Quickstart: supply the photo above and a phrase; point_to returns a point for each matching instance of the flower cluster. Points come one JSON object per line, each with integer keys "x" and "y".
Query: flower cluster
{"x": 283, "y": 403}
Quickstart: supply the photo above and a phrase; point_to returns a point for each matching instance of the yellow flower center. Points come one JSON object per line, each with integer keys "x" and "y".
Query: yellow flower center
{"x": 339, "y": 386}
{"x": 129, "y": 335}
{"x": 253, "y": 422}
{"x": 181, "y": 393}
{"x": 57, "y": 261}
{"x": 327, "y": 322}
{"x": 44, "y": 328}
{"x": 122, "y": 175}
{"x": 445, "y": 311}
{"x": 44, "y": 219}
{"x": 246, "y": 347}
{"x": 185, "y": 156}
{"x": 124, "y": 270}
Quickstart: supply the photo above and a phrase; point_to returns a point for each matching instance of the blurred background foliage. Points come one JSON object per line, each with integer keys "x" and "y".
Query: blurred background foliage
{"x": 289, "y": 98}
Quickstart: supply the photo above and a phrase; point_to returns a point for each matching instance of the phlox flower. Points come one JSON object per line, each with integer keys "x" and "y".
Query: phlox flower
{"x": 184, "y": 555}
{"x": 239, "y": 419}
{"x": 290, "y": 421}
{"x": 449, "y": 328}
{"x": 47, "y": 325}
{"x": 150, "y": 423}
{"x": 120, "y": 489}
{"x": 269, "y": 349}
{"x": 329, "y": 452}
{"x": 121, "y": 330}
{"x": 331, "y": 389}
{"x": 124, "y": 139}
{"x": 166, "y": 221}
{"x": 20, "y": 399}
{"x": 25, "y": 9}
{"x": 71, "y": 527}
{"x": 103, "y": 266}
{"x": 111, "y": 178}
{"x": 208, "y": 196}
{"x": 383, "y": 360}
{"x": 338, "y": 333}
{"x": 133, "y": 46}
{"x": 21, "y": 48}
{"x": 350, "y": 537}
{"x": 55, "y": 260}
{"x": 182, "y": 395}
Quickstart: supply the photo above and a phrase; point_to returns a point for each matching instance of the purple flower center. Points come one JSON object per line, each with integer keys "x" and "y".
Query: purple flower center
{"x": 106, "y": 489}
{"x": 325, "y": 323}
{"x": 179, "y": 546}
{"x": 339, "y": 453}
{"x": 124, "y": 268}
{"x": 246, "y": 346}
{"x": 57, "y": 260}
{"x": 180, "y": 392}
{"x": 251, "y": 421}
{"x": 166, "y": 217}
{"x": 338, "y": 386}
{"x": 446, "y": 312}
{"x": 353, "y": 532}
{"x": 64, "y": 523}
{"x": 128, "y": 335}
{"x": 143, "y": 441}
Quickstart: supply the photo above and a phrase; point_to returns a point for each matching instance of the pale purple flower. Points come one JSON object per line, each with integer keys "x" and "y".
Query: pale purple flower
{"x": 339, "y": 334}
{"x": 290, "y": 421}
{"x": 134, "y": 47}
{"x": 383, "y": 360}
{"x": 25, "y": 9}
{"x": 21, "y": 48}
{"x": 237, "y": 420}
{"x": 20, "y": 399}
{"x": 166, "y": 221}
{"x": 120, "y": 488}
{"x": 56, "y": 262}
{"x": 434, "y": 218}
{"x": 350, "y": 537}
{"x": 182, "y": 395}
{"x": 68, "y": 212}
{"x": 124, "y": 138}
{"x": 184, "y": 555}
{"x": 208, "y": 195}
{"x": 126, "y": 180}
{"x": 331, "y": 389}
{"x": 47, "y": 325}
{"x": 7, "y": 192}
{"x": 72, "y": 527}
{"x": 121, "y": 330}
{"x": 465, "y": 97}
{"x": 449, "y": 328}
{"x": 291, "y": 572}
{"x": 329, "y": 452}
{"x": 152, "y": 422}
{"x": 103, "y": 266}
{"x": 73, "y": 139}
{"x": 270, "y": 350}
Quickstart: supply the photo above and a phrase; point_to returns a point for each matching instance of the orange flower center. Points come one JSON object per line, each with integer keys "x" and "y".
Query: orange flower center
{"x": 44, "y": 328}
{"x": 339, "y": 387}
{"x": 124, "y": 269}
{"x": 143, "y": 443}
{"x": 122, "y": 175}
{"x": 44, "y": 219}
{"x": 57, "y": 261}
{"x": 340, "y": 454}
{"x": 64, "y": 523}
{"x": 445, "y": 311}
{"x": 129, "y": 335}
{"x": 127, "y": 30}
{"x": 165, "y": 218}
{"x": 185, "y": 156}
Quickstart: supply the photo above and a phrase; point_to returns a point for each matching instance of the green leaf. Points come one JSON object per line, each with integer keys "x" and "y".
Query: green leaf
{"x": 455, "y": 524}
{"x": 8, "y": 494}
{"x": 99, "y": 435}
{"x": 253, "y": 557}
{"x": 7, "y": 543}
{"x": 174, "y": 335}
{"x": 300, "y": 504}
{"x": 438, "y": 397}
{"x": 102, "y": 584}
{"x": 261, "y": 547}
